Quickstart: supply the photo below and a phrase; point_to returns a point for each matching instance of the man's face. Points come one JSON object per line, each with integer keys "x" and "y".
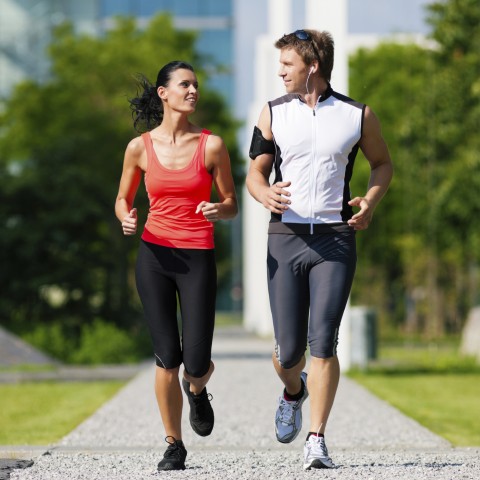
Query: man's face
{"x": 293, "y": 71}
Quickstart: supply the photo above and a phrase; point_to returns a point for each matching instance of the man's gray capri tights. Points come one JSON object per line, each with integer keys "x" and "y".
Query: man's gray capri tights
{"x": 309, "y": 282}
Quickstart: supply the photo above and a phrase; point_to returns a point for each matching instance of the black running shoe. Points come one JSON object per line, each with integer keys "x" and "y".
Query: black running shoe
{"x": 201, "y": 412}
{"x": 174, "y": 456}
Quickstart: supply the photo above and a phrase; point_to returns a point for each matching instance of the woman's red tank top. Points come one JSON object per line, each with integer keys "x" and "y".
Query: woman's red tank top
{"x": 174, "y": 196}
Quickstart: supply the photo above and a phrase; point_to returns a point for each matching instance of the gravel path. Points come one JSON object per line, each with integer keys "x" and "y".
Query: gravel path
{"x": 367, "y": 438}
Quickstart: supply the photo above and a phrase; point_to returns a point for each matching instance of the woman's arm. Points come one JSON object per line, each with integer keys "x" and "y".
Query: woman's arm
{"x": 217, "y": 161}
{"x": 129, "y": 182}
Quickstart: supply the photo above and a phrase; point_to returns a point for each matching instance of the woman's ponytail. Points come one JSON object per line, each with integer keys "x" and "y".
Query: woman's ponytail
{"x": 147, "y": 108}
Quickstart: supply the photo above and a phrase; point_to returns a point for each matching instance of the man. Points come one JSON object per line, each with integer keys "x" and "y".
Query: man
{"x": 310, "y": 138}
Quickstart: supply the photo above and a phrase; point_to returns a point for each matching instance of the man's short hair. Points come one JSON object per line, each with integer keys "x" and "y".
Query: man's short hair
{"x": 311, "y": 45}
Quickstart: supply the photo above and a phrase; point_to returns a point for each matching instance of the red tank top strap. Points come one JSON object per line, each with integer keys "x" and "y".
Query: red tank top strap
{"x": 147, "y": 140}
{"x": 200, "y": 152}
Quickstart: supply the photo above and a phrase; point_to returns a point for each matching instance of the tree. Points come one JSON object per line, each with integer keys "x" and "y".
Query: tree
{"x": 457, "y": 121}
{"x": 61, "y": 151}
{"x": 390, "y": 79}
{"x": 420, "y": 257}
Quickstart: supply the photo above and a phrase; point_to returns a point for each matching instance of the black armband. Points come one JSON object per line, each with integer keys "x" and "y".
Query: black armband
{"x": 259, "y": 145}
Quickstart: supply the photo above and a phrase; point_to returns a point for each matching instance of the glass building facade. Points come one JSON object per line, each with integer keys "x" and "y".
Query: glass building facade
{"x": 212, "y": 19}
{"x": 25, "y": 27}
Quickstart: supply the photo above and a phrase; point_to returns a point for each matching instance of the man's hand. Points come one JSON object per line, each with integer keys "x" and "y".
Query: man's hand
{"x": 129, "y": 224}
{"x": 275, "y": 197}
{"x": 361, "y": 220}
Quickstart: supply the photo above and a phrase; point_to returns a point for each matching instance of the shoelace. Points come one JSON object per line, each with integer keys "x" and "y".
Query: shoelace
{"x": 173, "y": 449}
{"x": 317, "y": 446}
{"x": 201, "y": 403}
{"x": 287, "y": 411}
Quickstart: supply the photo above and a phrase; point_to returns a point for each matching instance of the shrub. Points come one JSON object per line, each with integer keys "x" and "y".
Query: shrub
{"x": 51, "y": 339}
{"x": 99, "y": 342}
{"x": 103, "y": 342}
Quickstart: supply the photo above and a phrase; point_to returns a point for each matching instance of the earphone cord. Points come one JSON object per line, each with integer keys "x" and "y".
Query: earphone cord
{"x": 306, "y": 83}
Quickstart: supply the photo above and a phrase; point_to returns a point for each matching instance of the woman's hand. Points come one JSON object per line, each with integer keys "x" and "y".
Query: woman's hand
{"x": 211, "y": 211}
{"x": 129, "y": 224}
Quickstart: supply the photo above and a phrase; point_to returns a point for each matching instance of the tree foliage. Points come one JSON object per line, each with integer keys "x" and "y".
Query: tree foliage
{"x": 419, "y": 260}
{"x": 61, "y": 151}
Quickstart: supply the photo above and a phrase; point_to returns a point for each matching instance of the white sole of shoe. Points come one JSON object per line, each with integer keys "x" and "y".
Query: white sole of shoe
{"x": 317, "y": 463}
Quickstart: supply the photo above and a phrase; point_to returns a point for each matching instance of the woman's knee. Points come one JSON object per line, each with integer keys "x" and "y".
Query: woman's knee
{"x": 167, "y": 373}
{"x": 198, "y": 370}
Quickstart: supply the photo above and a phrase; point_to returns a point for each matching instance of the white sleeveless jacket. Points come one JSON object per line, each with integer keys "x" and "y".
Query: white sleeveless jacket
{"x": 315, "y": 150}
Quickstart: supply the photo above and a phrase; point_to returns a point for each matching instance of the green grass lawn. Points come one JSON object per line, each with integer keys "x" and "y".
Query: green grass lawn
{"x": 431, "y": 384}
{"x": 42, "y": 413}
{"x": 228, "y": 319}
{"x": 447, "y": 404}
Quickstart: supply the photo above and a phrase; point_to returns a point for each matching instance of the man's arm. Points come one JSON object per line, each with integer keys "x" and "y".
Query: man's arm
{"x": 375, "y": 150}
{"x": 272, "y": 197}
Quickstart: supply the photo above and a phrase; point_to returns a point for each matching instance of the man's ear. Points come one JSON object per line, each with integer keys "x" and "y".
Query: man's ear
{"x": 314, "y": 67}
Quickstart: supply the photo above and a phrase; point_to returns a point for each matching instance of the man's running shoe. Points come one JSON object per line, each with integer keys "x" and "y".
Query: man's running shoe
{"x": 316, "y": 454}
{"x": 174, "y": 457}
{"x": 288, "y": 418}
{"x": 201, "y": 412}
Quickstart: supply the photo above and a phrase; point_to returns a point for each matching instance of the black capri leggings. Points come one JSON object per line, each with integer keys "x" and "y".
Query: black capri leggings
{"x": 161, "y": 274}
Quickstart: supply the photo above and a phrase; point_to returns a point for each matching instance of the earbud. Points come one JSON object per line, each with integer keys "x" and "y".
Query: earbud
{"x": 308, "y": 78}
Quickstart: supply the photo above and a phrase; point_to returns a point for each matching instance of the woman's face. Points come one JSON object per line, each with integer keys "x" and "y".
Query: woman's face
{"x": 181, "y": 93}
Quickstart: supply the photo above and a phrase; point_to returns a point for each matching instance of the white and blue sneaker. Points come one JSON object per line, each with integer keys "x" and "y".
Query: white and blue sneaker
{"x": 288, "y": 418}
{"x": 316, "y": 454}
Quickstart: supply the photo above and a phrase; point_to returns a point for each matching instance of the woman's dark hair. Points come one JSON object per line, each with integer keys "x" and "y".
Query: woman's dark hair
{"x": 147, "y": 108}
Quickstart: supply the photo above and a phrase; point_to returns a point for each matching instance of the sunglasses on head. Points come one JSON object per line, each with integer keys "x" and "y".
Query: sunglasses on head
{"x": 302, "y": 35}
{"x": 305, "y": 36}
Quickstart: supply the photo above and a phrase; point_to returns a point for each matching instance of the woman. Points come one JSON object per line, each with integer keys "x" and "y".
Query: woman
{"x": 180, "y": 162}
